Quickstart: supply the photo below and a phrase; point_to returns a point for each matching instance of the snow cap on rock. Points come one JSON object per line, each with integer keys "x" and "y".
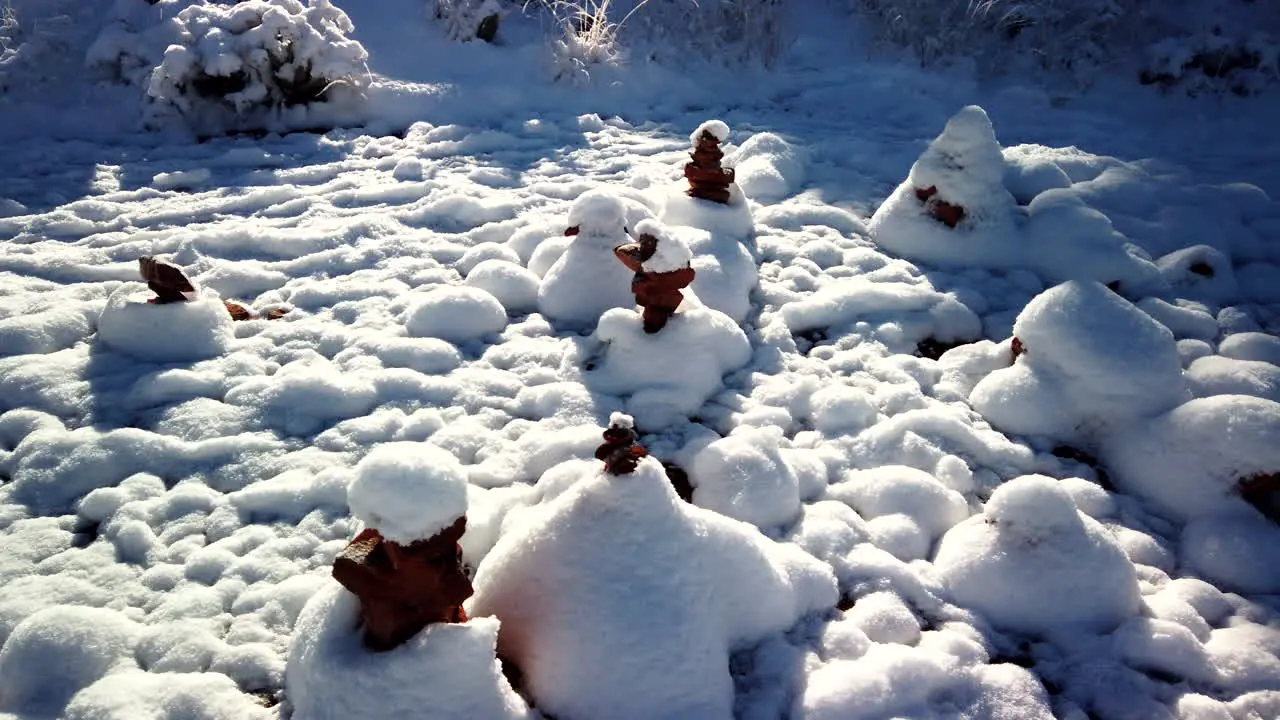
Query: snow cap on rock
{"x": 717, "y": 128}
{"x": 964, "y": 163}
{"x": 672, "y": 253}
{"x": 408, "y": 491}
{"x": 598, "y": 211}
{"x": 620, "y": 419}
{"x": 1032, "y": 507}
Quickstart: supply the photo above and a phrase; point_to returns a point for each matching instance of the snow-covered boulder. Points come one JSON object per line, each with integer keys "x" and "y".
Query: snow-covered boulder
{"x": 1092, "y": 363}
{"x": 620, "y": 600}
{"x": 1033, "y": 564}
{"x": 1189, "y": 461}
{"x": 172, "y": 332}
{"x": 908, "y": 509}
{"x": 1251, "y": 346}
{"x": 750, "y": 476}
{"x": 587, "y": 279}
{"x": 515, "y": 287}
{"x": 133, "y": 694}
{"x": 726, "y": 272}
{"x": 1217, "y": 375}
{"x": 448, "y": 670}
{"x": 260, "y": 63}
{"x": 671, "y": 373}
{"x": 456, "y": 313}
{"x": 767, "y": 167}
{"x": 1238, "y": 551}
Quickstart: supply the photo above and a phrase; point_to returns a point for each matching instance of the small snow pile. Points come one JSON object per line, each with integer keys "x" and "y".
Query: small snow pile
{"x": 905, "y": 312}
{"x": 515, "y": 287}
{"x": 134, "y": 694}
{"x": 954, "y": 209}
{"x": 1188, "y": 462}
{"x": 456, "y": 314}
{"x": 671, "y": 253}
{"x": 1032, "y": 563}
{"x": 259, "y": 64}
{"x": 57, "y": 651}
{"x": 448, "y": 670}
{"x": 172, "y": 332}
{"x": 1092, "y": 363}
{"x": 897, "y": 681}
{"x": 669, "y": 374}
{"x": 717, "y": 129}
{"x": 726, "y": 272}
{"x": 907, "y": 509}
{"x": 751, "y": 476}
{"x": 620, "y": 600}
{"x": 46, "y": 331}
{"x": 767, "y": 167}
{"x": 588, "y": 279}
{"x": 1237, "y": 551}
{"x": 1216, "y": 375}
{"x": 1251, "y": 346}
{"x": 408, "y": 491}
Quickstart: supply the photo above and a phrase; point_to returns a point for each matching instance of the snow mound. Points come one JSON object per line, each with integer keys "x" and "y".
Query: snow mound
{"x": 749, "y": 476}
{"x": 966, "y": 165}
{"x": 726, "y": 272}
{"x": 669, "y": 374}
{"x": 259, "y": 64}
{"x": 456, "y": 314}
{"x": 649, "y": 637}
{"x": 408, "y": 491}
{"x": 671, "y": 253}
{"x": 515, "y": 287}
{"x": 173, "y": 332}
{"x": 901, "y": 490}
{"x": 1033, "y": 564}
{"x": 733, "y": 220}
{"x": 44, "y": 332}
{"x": 1093, "y": 362}
{"x": 447, "y": 670}
{"x": 587, "y": 279}
{"x": 1257, "y": 346}
{"x": 1189, "y": 461}
{"x": 915, "y": 309}
{"x": 1237, "y": 551}
{"x": 767, "y": 167}
{"x": 134, "y": 694}
{"x": 896, "y": 681}
{"x": 57, "y": 651}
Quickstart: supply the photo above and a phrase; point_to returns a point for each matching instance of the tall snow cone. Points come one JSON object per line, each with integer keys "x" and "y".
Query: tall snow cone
{"x": 707, "y": 180}
{"x": 962, "y": 172}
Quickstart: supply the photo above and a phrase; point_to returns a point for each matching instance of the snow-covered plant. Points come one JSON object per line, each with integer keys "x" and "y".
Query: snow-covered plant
{"x": 243, "y": 65}
{"x": 469, "y": 19}
{"x": 589, "y": 37}
{"x": 1213, "y": 60}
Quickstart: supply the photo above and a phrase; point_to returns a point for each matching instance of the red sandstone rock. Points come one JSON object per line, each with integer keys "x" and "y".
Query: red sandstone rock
{"x": 620, "y": 452}
{"x": 404, "y": 588}
{"x": 166, "y": 280}
{"x": 707, "y": 180}
{"x": 939, "y": 209}
{"x": 657, "y": 292}
{"x": 1018, "y": 348}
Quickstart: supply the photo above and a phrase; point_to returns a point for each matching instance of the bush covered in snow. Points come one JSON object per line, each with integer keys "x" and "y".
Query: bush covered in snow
{"x": 1211, "y": 61}
{"x": 469, "y": 19}
{"x": 247, "y": 65}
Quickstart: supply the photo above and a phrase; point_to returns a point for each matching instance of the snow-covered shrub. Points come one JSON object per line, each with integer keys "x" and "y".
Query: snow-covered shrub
{"x": 469, "y": 19}
{"x": 258, "y": 63}
{"x": 1210, "y": 61}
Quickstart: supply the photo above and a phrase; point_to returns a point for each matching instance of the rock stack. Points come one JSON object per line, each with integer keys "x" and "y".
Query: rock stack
{"x": 707, "y": 180}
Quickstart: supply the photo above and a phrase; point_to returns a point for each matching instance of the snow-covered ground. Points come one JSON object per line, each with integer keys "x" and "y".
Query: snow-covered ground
{"x": 1046, "y": 528}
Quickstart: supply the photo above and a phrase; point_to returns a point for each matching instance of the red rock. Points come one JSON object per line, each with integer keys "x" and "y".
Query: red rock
{"x": 620, "y": 452}
{"x": 239, "y": 311}
{"x": 404, "y": 588}
{"x": 939, "y": 209}
{"x": 707, "y": 180}
{"x": 658, "y": 293}
{"x": 1018, "y": 348}
{"x": 165, "y": 279}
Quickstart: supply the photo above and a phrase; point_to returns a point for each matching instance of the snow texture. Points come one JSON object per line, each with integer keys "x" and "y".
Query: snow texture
{"x": 587, "y": 279}
{"x": 651, "y": 637}
{"x": 169, "y": 333}
{"x": 408, "y": 491}
{"x": 767, "y": 167}
{"x": 456, "y": 314}
{"x": 671, "y": 252}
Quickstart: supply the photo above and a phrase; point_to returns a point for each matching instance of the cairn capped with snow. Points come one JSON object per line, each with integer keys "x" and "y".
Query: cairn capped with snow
{"x": 587, "y": 279}
{"x": 391, "y": 634}
{"x": 660, "y": 262}
{"x": 620, "y": 600}
{"x": 1032, "y": 563}
{"x": 711, "y": 201}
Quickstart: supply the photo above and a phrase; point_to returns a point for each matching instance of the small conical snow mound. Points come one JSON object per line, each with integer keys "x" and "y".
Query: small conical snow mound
{"x": 1033, "y": 564}
{"x": 672, "y": 252}
{"x": 598, "y": 212}
{"x": 1092, "y": 363}
{"x": 619, "y": 600}
{"x": 408, "y": 491}
{"x": 1190, "y": 461}
{"x": 965, "y": 164}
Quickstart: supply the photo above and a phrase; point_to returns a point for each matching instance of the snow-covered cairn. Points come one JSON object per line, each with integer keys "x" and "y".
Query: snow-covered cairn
{"x": 1033, "y": 564}
{"x": 620, "y": 600}
{"x": 954, "y": 209}
{"x": 710, "y": 200}
{"x": 253, "y": 64}
{"x": 412, "y": 497}
{"x": 587, "y": 279}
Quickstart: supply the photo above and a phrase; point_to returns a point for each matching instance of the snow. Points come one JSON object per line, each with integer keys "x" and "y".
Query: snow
{"x": 1032, "y": 564}
{"x": 717, "y": 129}
{"x": 445, "y": 671}
{"x": 179, "y": 492}
{"x": 651, "y": 636}
{"x": 408, "y": 491}
{"x": 173, "y": 332}
{"x": 671, "y": 252}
